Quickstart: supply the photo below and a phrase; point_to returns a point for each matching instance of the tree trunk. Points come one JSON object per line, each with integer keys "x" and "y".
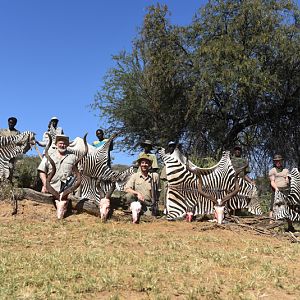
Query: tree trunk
{"x": 79, "y": 205}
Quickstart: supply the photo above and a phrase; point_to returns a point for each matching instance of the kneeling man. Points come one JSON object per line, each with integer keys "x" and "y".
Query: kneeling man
{"x": 143, "y": 186}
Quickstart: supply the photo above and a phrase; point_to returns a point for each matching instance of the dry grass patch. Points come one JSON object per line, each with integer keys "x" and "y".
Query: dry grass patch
{"x": 81, "y": 258}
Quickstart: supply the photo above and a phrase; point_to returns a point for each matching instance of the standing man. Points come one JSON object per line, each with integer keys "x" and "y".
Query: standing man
{"x": 238, "y": 162}
{"x": 11, "y": 130}
{"x": 53, "y": 124}
{"x": 142, "y": 185}
{"x": 100, "y": 143}
{"x": 64, "y": 162}
{"x": 278, "y": 179}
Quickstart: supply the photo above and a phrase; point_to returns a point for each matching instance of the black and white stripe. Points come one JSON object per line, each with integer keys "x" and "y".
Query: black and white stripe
{"x": 182, "y": 191}
{"x": 288, "y": 206}
{"x": 11, "y": 147}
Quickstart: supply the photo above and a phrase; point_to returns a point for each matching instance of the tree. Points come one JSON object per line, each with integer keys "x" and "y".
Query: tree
{"x": 231, "y": 76}
{"x": 147, "y": 94}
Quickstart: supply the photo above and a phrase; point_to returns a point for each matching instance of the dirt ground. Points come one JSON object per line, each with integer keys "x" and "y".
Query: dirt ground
{"x": 236, "y": 239}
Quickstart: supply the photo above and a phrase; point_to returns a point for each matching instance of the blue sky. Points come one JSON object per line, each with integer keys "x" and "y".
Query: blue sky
{"x": 55, "y": 53}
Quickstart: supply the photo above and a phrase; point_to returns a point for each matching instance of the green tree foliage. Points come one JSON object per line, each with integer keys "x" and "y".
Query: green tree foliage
{"x": 231, "y": 76}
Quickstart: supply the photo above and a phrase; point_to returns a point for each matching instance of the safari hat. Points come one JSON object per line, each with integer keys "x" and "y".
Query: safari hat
{"x": 237, "y": 147}
{"x": 277, "y": 157}
{"x": 147, "y": 142}
{"x": 62, "y": 137}
{"x": 54, "y": 118}
{"x": 146, "y": 157}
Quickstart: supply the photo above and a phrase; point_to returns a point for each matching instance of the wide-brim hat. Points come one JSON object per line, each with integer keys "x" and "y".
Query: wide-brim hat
{"x": 145, "y": 156}
{"x": 237, "y": 147}
{"x": 54, "y": 118}
{"x": 147, "y": 142}
{"x": 277, "y": 157}
{"x": 62, "y": 137}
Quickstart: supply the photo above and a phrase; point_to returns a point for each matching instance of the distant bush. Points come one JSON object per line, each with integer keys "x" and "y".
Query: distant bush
{"x": 25, "y": 173}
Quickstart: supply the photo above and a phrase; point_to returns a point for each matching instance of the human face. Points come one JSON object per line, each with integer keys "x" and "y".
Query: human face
{"x": 61, "y": 147}
{"x": 54, "y": 123}
{"x": 145, "y": 165}
{"x": 100, "y": 135}
{"x": 237, "y": 152}
{"x": 11, "y": 124}
{"x": 278, "y": 164}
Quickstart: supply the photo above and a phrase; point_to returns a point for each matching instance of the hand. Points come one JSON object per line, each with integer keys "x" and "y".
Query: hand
{"x": 140, "y": 197}
{"x": 44, "y": 189}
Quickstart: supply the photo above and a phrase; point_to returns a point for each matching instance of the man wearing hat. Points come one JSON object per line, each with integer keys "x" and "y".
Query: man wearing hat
{"x": 238, "y": 162}
{"x": 140, "y": 184}
{"x": 52, "y": 126}
{"x": 64, "y": 162}
{"x": 148, "y": 146}
{"x": 279, "y": 179}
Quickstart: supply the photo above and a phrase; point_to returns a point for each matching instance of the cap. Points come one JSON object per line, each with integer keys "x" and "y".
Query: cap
{"x": 62, "y": 137}
{"x": 171, "y": 143}
{"x": 146, "y": 157}
{"x": 54, "y": 118}
{"x": 278, "y": 157}
{"x": 146, "y": 142}
{"x": 237, "y": 147}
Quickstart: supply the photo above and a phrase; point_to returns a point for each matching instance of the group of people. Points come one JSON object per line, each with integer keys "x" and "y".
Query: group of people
{"x": 144, "y": 185}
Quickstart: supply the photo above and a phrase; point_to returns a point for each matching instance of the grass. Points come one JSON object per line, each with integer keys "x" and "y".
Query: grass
{"x": 81, "y": 258}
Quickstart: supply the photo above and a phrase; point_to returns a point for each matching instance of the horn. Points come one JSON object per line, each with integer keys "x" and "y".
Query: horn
{"x": 50, "y": 189}
{"x": 205, "y": 195}
{"x": 236, "y": 185}
{"x": 111, "y": 190}
{"x": 76, "y": 171}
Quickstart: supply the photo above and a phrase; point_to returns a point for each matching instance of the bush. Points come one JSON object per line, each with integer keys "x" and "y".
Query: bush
{"x": 25, "y": 174}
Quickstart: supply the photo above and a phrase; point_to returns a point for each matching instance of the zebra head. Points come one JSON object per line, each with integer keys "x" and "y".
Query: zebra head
{"x": 61, "y": 198}
{"x": 220, "y": 202}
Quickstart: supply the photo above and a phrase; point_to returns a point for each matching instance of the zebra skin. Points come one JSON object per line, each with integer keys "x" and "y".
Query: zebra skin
{"x": 288, "y": 206}
{"x": 182, "y": 192}
{"x": 11, "y": 147}
{"x": 97, "y": 177}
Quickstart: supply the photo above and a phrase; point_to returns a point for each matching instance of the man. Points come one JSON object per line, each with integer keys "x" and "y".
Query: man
{"x": 238, "y": 162}
{"x": 11, "y": 130}
{"x": 147, "y": 145}
{"x": 279, "y": 180}
{"x": 100, "y": 143}
{"x": 140, "y": 185}
{"x": 58, "y": 131}
{"x": 64, "y": 162}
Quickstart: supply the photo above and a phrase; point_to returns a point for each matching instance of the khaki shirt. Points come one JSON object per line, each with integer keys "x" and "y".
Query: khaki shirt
{"x": 7, "y": 132}
{"x": 280, "y": 178}
{"x": 142, "y": 184}
{"x": 63, "y": 165}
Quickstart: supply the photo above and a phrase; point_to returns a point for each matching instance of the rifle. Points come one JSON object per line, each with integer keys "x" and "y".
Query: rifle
{"x": 154, "y": 196}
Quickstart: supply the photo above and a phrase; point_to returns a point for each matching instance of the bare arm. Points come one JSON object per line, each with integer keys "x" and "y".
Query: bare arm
{"x": 43, "y": 178}
{"x": 273, "y": 184}
{"x": 138, "y": 194}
